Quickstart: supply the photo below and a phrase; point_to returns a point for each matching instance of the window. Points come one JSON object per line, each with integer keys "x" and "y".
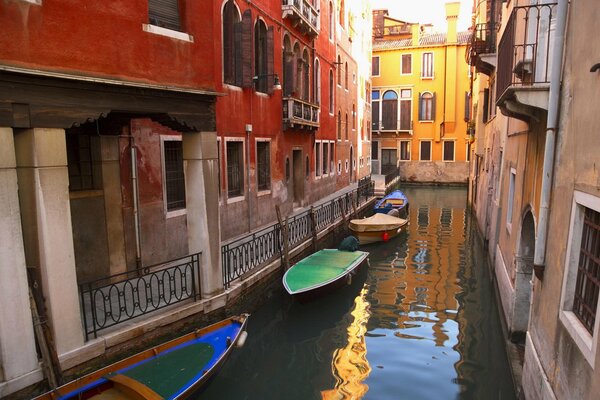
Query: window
{"x": 427, "y": 66}
{"x": 174, "y": 179}
{"x": 331, "y": 14}
{"x": 325, "y": 158}
{"x": 331, "y": 92}
{"x": 260, "y": 57}
{"x": 389, "y": 111}
{"x": 406, "y": 110}
{"x": 307, "y": 167}
{"x": 331, "y": 152}
{"x": 317, "y": 83}
{"x": 579, "y": 297}
{"x": 375, "y": 66}
{"x": 346, "y": 75}
{"x": 427, "y": 107}
{"x": 304, "y": 73}
{"x": 375, "y": 102}
{"x": 448, "y": 150}
{"x": 287, "y": 169}
{"x": 511, "y": 196}
{"x": 339, "y": 125}
{"x": 406, "y": 67}
{"x": 405, "y": 150}
{"x": 232, "y": 71}
{"x": 235, "y": 169}
{"x": 425, "y": 152}
{"x": 486, "y": 105}
{"x": 263, "y": 165}
{"x": 317, "y": 158}
{"x": 342, "y": 14}
{"x": 80, "y": 149}
{"x": 375, "y": 150}
{"x": 339, "y": 167}
{"x": 353, "y": 117}
{"x": 164, "y": 13}
{"x": 339, "y": 71}
{"x": 346, "y": 128}
{"x": 467, "y": 106}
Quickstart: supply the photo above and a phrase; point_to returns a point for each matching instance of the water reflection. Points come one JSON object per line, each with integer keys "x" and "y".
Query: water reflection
{"x": 420, "y": 323}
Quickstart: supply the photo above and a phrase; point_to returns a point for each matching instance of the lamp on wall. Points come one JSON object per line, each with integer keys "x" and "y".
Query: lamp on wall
{"x": 276, "y": 84}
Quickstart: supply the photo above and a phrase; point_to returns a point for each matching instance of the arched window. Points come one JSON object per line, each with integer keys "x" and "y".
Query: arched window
{"x": 231, "y": 54}
{"x": 346, "y": 127}
{"x": 339, "y": 71}
{"x": 353, "y": 117}
{"x": 389, "y": 111}
{"x": 346, "y": 72}
{"x": 317, "y": 83}
{"x": 342, "y": 14}
{"x": 427, "y": 107}
{"x": 305, "y": 76}
{"x": 298, "y": 62}
{"x": 339, "y": 125}
{"x": 331, "y": 92}
{"x": 288, "y": 67}
{"x": 331, "y": 14}
{"x": 260, "y": 56}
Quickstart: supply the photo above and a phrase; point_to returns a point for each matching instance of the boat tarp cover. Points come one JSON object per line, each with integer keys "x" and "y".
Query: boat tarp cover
{"x": 378, "y": 222}
{"x": 322, "y": 266}
{"x": 169, "y": 372}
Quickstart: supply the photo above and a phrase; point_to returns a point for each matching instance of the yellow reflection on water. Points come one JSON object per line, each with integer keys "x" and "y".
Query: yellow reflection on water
{"x": 350, "y": 366}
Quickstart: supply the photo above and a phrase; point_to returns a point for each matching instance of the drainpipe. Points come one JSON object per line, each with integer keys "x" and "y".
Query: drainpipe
{"x": 136, "y": 201}
{"x": 539, "y": 258}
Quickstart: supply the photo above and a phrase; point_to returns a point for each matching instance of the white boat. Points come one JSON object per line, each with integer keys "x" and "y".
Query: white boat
{"x": 379, "y": 227}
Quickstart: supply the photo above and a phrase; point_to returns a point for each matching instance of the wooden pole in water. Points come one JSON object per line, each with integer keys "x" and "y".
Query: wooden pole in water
{"x": 314, "y": 228}
{"x": 342, "y": 211}
{"x": 354, "y": 204}
{"x": 284, "y": 233}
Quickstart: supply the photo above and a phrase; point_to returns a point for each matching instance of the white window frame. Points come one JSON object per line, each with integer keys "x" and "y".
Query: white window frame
{"x": 432, "y": 65}
{"x": 430, "y": 149}
{"x": 408, "y": 142}
{"x": 241, "y": 197}
{"x": 170, "y": 33}
{"x": 339, "y": 168}
{"x": 163, "y": 139}
{"x": 587, "y": 344}
{"x": 444, "y": 150}
{"x": 263, "y": 140}
{"x": 402, "y": 63}
{"x": 512, "y": 181}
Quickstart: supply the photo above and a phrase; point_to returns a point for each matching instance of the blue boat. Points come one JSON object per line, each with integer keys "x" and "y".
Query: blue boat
{"x": 396, "y": 200}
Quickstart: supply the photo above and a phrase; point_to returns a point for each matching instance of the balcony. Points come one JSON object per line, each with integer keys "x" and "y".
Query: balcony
{"x": 303, "y": 15}
{"x": 300, "y": 114}
{"x": 481, "y": 52}
{"x": 524, "y": 62}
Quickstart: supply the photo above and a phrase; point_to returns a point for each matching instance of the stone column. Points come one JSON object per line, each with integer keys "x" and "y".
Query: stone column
{"x": 202, "y": 203}
{"x": 113, "y": 204}
{"x": 47, "y": 230}
{"x": 18, "y": 357}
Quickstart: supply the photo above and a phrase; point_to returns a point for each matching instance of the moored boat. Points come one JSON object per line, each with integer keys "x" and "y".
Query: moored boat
{"x": 322, "y": 272}
{"x": 378, "y": 227}
{"x": 172, "y": 370}
{"x": 396, "y": 200}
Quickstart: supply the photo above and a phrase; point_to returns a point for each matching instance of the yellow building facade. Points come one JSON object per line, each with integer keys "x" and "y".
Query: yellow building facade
{"x": 420, "y": 100}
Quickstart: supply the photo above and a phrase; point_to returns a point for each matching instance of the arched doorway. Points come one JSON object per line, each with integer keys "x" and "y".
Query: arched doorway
{"x": 522, "y": 280}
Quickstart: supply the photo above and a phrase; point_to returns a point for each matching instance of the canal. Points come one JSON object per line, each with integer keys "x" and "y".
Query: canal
{"x": 420, "y": 322}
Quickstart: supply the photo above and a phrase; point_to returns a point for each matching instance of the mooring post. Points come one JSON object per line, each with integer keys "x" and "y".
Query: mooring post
{"x": 284, "y": 233}
{"x": 354, "y": 204}
{"x": 342, "y": 211}
{"x": 314, "y": 228}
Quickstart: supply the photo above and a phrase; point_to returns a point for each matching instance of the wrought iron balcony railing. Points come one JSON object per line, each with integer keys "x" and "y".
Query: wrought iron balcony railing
{"x": 300, "y": 114}
{"x": 303, "y": 13}
{"x": 483, "y": 40}
{"x": 526, "y": 47}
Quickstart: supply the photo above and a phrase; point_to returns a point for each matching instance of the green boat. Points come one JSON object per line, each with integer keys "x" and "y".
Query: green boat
{"x": 172, "y": 370}
{"x": 322, "y": 272}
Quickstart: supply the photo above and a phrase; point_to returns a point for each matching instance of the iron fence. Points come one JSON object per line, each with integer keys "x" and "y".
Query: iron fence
{"x": 118, "y": 298}
{"x": 265, "y": 246}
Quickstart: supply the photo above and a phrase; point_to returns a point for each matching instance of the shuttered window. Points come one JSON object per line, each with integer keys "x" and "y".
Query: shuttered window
{"x": 164, "y": 13}
{"x": 406, "y": 64}
{"x": 425, "y": 151}
{"x": 427, "y": 107}
{"x": 406, "y": 110}
{"x": 232, "y": 70}
{"x": 246, "y": 48}
{"x": 427, "y": 66}
{"x": 174, "y": 177}
{"x": 263, "y": 165}
{"x": 235, "y": 169}
{"x": 389, "y": 111}
{"x": 449, "y": 150}
{"x": 375, "y": 66}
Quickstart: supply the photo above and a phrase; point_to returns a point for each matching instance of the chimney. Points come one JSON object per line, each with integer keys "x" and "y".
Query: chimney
{"x": 415, "y": 33}
{"x": 452, "y": 10}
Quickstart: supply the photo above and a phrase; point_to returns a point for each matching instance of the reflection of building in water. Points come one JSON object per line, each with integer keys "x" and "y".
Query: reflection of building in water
{"x": 350, "y": 366}
{"x": 427, "y": 286}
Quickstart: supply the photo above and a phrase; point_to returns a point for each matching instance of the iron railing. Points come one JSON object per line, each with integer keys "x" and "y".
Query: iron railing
{"x": 304, "y": 12}
{"x": 260, "y": 248}
{"x": 118, "y": 298}
{"x": 524, "y": 52}
{"x": 483, "y": 41}
{"x": 300, "y": 112}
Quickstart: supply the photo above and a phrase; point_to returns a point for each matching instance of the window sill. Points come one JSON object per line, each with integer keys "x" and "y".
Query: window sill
{"x": 176, "y": 213}
{"x": 236, "y": 199}
{"x": 35, "y": 2}
{"x": 427, "y": 77}
{"x": 157, "y": 30}
{"x": 232, "y": 87}
{"x": 263, "y": 193}
{"x": 580, "y": 335}
{"x": 427, "y": 121}
{"x": 84, "y": 194}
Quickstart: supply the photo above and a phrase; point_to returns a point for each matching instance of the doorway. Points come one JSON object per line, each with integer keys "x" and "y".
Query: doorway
{"x": 389, "y": 160}
{"x": 523, "y": 276}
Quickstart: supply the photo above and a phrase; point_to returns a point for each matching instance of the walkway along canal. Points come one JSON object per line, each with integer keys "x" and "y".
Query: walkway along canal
{"x": 421, "y": 322}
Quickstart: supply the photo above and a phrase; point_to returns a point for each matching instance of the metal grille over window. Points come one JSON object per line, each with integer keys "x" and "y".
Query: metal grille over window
{"x": 234, "y": 169}
{"x": 164, "y": 13}
{"x": 79, "y": 160}
{"x": 588, "y": 273}
{"x": 264, "y": 165}
{"x": 174, "y": 178}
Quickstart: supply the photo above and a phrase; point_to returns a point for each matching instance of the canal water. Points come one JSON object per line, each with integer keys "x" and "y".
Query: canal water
{"x": 420, "y": 322}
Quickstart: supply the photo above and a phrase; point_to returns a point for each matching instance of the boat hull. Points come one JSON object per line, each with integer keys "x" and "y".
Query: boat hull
{"x": 376, "y": 236}
{"x": 146, "y": 374}
{"x": 393, "y": 201}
